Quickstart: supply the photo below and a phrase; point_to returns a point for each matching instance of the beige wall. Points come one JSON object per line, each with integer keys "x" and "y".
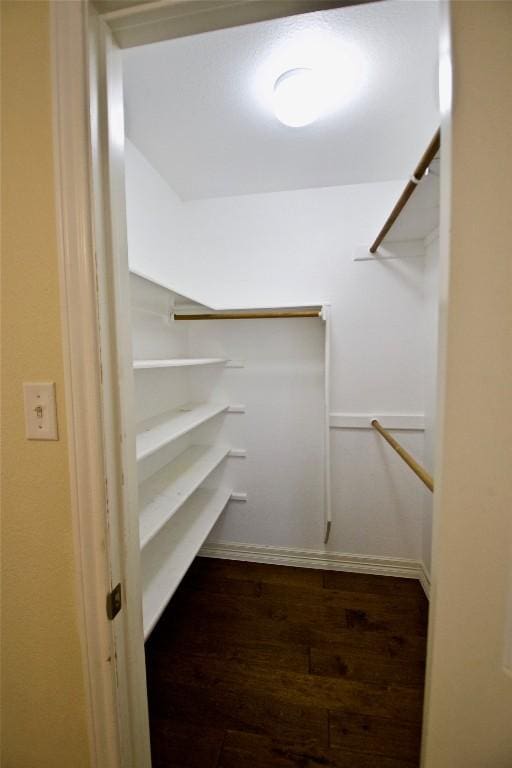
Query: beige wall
{"x": 469, "y": 704}
{"x": 44, "y": 720}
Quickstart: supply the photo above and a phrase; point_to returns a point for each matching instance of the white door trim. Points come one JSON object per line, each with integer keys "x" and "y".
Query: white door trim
{"x": 98, "y": 441}
{"x": 107, "y": 162}
{"x": 96, "y": 349}
{"x": 82, "y": 372}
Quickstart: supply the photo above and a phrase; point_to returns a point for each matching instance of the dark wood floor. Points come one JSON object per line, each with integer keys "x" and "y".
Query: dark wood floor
{"x": 256, "y": 666}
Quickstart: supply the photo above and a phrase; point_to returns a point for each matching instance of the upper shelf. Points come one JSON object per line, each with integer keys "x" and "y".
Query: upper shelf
{"x": 421, "y": 216}
{"x": 178, "y": 362}
{"x": 421, "y": 213}
{"x": 187, "y": 308}
{"x": 180, "y": 298}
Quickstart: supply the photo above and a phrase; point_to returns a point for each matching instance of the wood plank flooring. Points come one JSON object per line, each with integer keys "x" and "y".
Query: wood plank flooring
{"x": 263, "y": 666}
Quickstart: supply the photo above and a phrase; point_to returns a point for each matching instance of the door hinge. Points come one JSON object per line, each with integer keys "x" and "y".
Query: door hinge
{"x": 114, "y": 602}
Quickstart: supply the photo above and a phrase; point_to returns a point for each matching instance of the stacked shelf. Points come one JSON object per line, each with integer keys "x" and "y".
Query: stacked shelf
{"x": 184, "y": 495}
{"x": 162, "y": 494}
{"x": 155, "y": 433}
{"x": 176, "y": 510}
{"x": 168, "y": 557}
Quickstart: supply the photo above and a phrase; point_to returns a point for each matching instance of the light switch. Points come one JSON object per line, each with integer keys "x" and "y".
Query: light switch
{"x": 40, "y": 411}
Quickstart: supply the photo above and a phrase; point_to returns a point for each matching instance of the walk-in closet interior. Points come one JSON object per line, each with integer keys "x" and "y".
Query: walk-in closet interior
{"x": 282, "y": 331}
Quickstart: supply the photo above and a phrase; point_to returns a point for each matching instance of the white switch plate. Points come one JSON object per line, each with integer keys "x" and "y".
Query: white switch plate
{"x": 40, "y": 411}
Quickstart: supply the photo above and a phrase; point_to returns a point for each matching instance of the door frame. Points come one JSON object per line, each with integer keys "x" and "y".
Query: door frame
{"x": 82, "y": 350}
{"x": 89, "y": 183}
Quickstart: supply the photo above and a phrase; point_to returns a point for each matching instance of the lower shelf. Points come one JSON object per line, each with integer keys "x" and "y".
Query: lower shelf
{"x": 162, "y": 494}
{"x": 167, "y": 558}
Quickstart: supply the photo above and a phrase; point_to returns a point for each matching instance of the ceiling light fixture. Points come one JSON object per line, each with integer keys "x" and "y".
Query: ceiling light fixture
{"x": 310, "y": 75}
{"x": 297, "y": 100}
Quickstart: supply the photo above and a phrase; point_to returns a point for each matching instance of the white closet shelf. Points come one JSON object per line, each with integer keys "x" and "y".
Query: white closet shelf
{"x": 162, "y": 494}
{"x": 178, "y": 362}
{"x": 189, "y": 308}
{"x": 170, "y": 554}
{"x": 423, "y": 189}
{"x": 161, "y": 430}
{"x": 181, "y": 297}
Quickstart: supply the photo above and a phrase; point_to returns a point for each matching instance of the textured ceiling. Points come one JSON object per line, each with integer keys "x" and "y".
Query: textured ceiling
{"x": 198, "y": 107}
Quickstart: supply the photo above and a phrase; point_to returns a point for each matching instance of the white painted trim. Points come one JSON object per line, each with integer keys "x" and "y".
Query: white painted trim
{"x": 82, "y": 375}
{"x": 326, "y": 316}
{"x": 414, "y": 422}
{"x": 107, "y": 142}
{"x": 425, "y": 580}
{"x": 312, "y": 558}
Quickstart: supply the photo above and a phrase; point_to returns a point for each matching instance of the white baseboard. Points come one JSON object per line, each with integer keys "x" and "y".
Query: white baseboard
{"x": 425, "y": 580}
{"x": 312, "y": 558}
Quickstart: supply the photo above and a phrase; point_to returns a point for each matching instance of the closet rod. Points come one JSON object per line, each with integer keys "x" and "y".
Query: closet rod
{"x": 412, "y": 463}
{"x": 251, "y": 315}
{"x": 428, "y": 156}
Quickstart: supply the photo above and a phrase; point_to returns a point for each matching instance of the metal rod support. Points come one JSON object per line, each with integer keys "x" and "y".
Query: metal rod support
{"x": 412, "y": 463}
{"x": 271, "y": 314}
{"x": 428, "y": 156}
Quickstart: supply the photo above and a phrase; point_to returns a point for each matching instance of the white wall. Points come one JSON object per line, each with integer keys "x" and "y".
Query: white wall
{"x": 281, "y": 388}
{"x": 297, "y": 248}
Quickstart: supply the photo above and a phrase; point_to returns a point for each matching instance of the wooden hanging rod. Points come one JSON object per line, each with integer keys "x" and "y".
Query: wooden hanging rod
{"x": 428, "y": 156}
{"x": 270, "y": 314}
{"x": 412, "y": 463}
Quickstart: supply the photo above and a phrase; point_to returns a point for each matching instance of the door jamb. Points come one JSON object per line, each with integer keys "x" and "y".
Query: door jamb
{"x": 82, "y": 375}
{"x": 115, "y": 720}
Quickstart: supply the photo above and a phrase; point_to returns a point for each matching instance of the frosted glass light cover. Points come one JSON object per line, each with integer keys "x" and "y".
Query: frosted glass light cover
{"x": 297, "y": 97}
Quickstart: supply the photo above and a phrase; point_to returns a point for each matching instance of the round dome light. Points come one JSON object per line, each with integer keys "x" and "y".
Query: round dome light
{"x": 297, "y": 99}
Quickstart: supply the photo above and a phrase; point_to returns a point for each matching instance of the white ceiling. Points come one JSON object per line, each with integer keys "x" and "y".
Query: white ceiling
{"x": 198, "y": 107}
